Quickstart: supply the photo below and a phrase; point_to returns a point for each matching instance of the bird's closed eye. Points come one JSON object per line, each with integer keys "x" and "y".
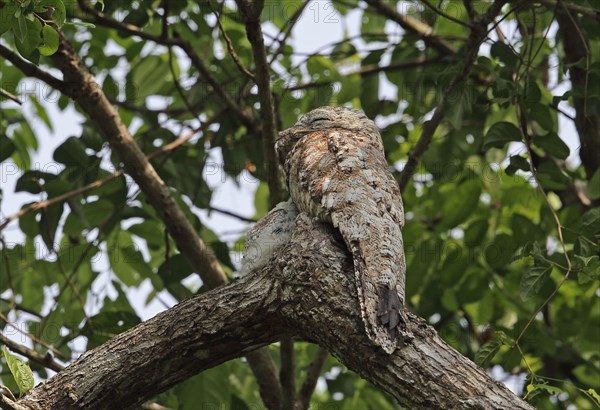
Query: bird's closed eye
{"x": 319, "y": 121}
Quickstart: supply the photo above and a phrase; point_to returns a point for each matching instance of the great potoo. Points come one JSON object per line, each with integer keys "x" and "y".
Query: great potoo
{"x": 336, "y": 171}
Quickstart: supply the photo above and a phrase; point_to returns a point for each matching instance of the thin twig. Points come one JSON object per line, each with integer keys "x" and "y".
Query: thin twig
{"x": 36, "y": 206}
{"x": 232, "y": 214}
{"x": 45, "y": 360}
{"x": 33, "y": 338}
{"x": 17, "y": 306}
{"x": 171, "y": 112}
{"x": 6, "y": 94}
{"x": 31, "y": 69}
{"x": 230, "y": 48}
{"x": 264, "y": 370}
{"x": 165, "y": 24}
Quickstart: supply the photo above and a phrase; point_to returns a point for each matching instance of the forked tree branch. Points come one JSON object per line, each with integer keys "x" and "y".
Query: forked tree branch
{"x": 307, "y": 290}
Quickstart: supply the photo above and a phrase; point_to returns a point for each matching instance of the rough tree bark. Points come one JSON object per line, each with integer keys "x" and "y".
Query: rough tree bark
{"x": 307, "y": 290}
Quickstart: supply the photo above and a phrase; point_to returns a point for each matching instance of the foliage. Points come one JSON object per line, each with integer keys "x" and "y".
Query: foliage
{"x": 20, "y": 371}
{"x": 502, "y": 233}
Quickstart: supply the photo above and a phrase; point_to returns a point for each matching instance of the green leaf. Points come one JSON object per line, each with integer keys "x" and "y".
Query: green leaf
{"x": 551, "y": 176}
{"x": 504, "y": 53}
{"x": 543, "y": 116}
{"x": 594, "y": 185}
{"x": 50, "y": 41}
{"x": 19, "y": 27}
{"x": 460, "y": 203}
{"x": 461, "y": 102}
{"x": 524, "y": 230}
{"x": 533, "y": 279}
{"x": 373, "y": 23}
{"x": 552, "y": 144}
{"x": 92, "y": 138}
{"x": 350, "y": 89}
{"x": 486, "y": 353}
{"x": 71, "y": 152}
{"x": 7, "y": 147}
{"x": 517, "y": 163}
{"x": 80, "y": 24}
{"x": 555, "y": 391}
{"x": 500, "y": 134}
{"x": 322, "y": 68}
{"x": 500, "y": 251}
{"x": 475, "y": 232}
{"x": 7, "y": 15}
{"x": 594, "y": 395}
{"x": 589, "y": 268}
{"x": 33, "y": 181}
{"x": 49, "y": 223}
{"x": 41, "y": 112}
{"x": 147, "y": 78}
{"x": 261, "y": 200}
{"x": 20, "y": 370}
{"x": 32, "y": 38}
{"x": 172, "y": 272}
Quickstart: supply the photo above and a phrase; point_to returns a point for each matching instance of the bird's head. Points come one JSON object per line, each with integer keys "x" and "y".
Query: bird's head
{"x": 320, "y": 119}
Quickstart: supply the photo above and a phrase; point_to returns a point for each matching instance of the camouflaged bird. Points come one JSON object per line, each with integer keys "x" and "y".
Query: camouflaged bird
{"x": 336, "y": 171}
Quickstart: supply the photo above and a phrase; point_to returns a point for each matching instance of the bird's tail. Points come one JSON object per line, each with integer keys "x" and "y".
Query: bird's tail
{"x": 380, "y": 304}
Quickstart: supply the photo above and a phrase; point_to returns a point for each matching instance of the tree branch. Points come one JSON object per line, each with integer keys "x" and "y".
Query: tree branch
{"x": 307, "y": 290}
{"x": 312, "y": 376}
{"x": 287, "y": 373}
{"x": 264, "y": 370}
{"x": 251, "y": 12}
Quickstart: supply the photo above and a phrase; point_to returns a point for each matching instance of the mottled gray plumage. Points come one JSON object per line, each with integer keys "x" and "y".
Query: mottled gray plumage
{"x": 336, "y": 170}
{"x": 270, "y": 233}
